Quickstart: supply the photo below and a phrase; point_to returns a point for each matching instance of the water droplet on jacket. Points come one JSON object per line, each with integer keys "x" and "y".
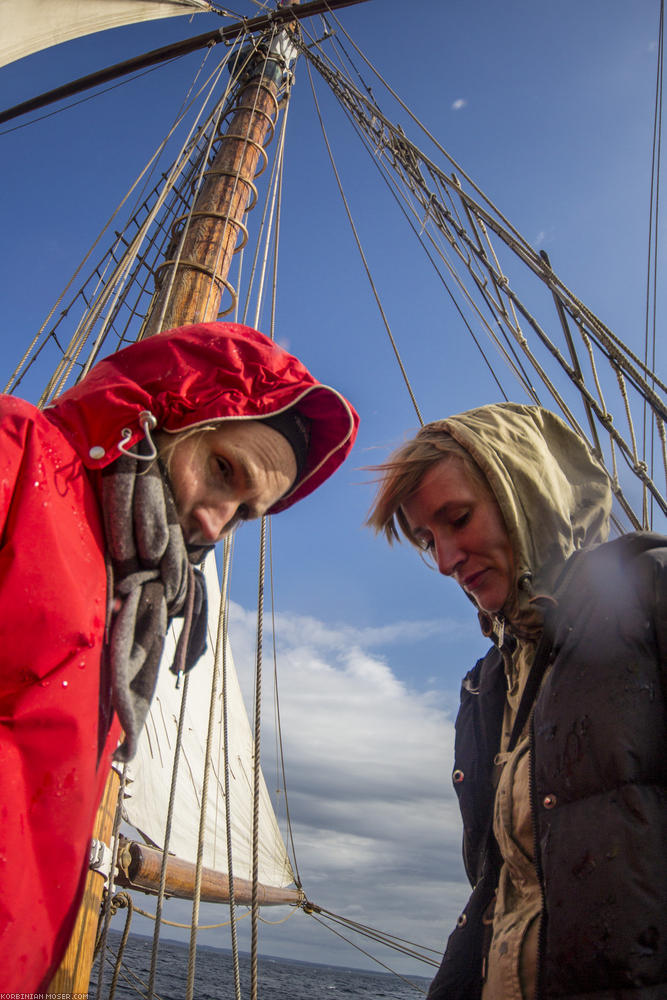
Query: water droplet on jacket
{"x": 65, "y": 683}
{"x": 82, "y": 665}
{"x": 44, "y": 684}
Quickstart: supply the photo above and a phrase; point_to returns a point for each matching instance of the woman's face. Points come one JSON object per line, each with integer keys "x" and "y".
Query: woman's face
{"x": 233, "y": 473}
{"x": 459, "y": 522}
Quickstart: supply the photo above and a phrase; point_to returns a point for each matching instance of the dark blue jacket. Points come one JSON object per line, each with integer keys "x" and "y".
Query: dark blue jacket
{"x": 598, "y": 786}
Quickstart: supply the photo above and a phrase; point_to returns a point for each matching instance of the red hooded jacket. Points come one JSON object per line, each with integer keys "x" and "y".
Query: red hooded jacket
{"x": 54, "y": 751}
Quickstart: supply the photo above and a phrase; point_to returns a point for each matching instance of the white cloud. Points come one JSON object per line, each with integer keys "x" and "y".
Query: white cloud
{"x": 374, "y": 817}
{"x": 368, "y": 760}
{"x": 458, "y": 104}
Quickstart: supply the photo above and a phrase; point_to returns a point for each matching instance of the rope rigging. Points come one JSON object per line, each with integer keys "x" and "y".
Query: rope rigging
{"x": 466, "y": 259}
{"x": 471, "y": 247}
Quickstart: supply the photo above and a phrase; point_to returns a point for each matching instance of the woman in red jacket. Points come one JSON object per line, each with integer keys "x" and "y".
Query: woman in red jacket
{"x": 97, "y": 549}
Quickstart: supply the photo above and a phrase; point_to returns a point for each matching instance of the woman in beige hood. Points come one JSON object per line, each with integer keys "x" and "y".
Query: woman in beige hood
{"x": 560, "y": 763}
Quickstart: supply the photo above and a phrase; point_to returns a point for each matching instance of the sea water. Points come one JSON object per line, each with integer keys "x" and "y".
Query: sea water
{"x": 278, "y": 979}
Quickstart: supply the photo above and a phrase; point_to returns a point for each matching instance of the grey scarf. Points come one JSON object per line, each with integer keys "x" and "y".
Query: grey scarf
{"x": 152, "y": 580}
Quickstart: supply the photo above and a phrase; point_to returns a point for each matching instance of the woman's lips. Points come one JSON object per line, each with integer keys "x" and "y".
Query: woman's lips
{"x": 473, "y": 581}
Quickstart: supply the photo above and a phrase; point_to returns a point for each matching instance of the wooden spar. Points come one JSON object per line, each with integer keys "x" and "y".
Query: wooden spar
{"x": 193, "y": 296}
{"x": 217, "y": 216}
{"x": 172, "y": 51}
{"x": 139, "y": 868}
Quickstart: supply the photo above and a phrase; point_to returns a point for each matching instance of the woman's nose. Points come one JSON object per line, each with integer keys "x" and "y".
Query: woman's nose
{"x": 213, "y": 518}
{"x": 448, "y": 554}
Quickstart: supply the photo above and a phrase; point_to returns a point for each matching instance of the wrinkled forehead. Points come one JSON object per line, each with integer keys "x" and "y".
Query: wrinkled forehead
{"x": 260, "y": 446}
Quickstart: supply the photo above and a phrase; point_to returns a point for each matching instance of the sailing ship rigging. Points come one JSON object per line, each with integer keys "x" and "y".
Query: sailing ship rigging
{"x": 505, "y": 293}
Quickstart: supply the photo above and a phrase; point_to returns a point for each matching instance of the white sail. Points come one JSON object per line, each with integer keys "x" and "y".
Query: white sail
{"x": 149, "y": 774}
{"x": 27, "y": 26}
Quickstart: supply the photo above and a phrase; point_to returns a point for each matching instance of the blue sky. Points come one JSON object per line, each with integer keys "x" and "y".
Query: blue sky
{"x": 549, "y": 108}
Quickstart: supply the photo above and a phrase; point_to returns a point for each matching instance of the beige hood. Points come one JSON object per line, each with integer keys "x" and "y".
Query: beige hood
{"x": 554, "y": 496}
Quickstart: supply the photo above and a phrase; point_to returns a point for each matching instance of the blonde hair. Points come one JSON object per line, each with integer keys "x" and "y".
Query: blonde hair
{"x": 403, "y": 472}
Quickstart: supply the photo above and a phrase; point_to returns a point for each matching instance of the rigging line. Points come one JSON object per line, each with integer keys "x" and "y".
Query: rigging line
{"x": 252, "y": 110}
{"x": 117, "y": 902}
{"x": 363, "y": 256}
{"x": 275, "y": 187}
{"x": 122, "y": 272}
{"x": 279, "y": 732}
{"x": 262, "y": 234}
{"x": 260, "y": 228}
{"x": 213, "y": 123}
{"x": 127, "y": 973}
{"x": 279, "y": 17}
{"x": 638, "y": 464}
{"x": 552, "y": 281}
{"x": 280, "y": 752}
{"x": 223, "y": 637}
{"x": 381, "y": 935}
{"x": 518, "y": 244}
{"x": 574, "y": 357}
{"x": 337, "y": 44}
{"x": 657, "y": 218}
{"x": 276, "y": 246}
{"x": 654, "y": 216}
{"x": 605, "y": 337}
{"x": 83, "y": 100}
{"x": 106, "y": 226}
{"x": 201, "y": 927}
{"x": 222, "y": 110}
{"x": 512, "y": 321}
{"x": 208, "y": 758}
{"x": 514, "y": 362}
{"x": 387, "y": 941}
{"x": 186, "y": 227}
{"x": 106, "y": 911}
{"x": 531, "y": 259}
{"x": 423, "y": 128}
{"x": 113, "y": 290}
{"x": 395, "y": 190}
{"x": 167, "y": 837}
{"x": 403, "y": 142}
{"x": 278, "y": 787}
{"x": 283, "y": 920}
{"x": 363, "y": 951}
{"x": 256, "y": 763}
{"x": 159, "y": 240}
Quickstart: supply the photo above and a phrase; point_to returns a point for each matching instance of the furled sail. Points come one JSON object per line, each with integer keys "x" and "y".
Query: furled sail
{"x": 149, "y": 775}
{"x": 27, "y": 26}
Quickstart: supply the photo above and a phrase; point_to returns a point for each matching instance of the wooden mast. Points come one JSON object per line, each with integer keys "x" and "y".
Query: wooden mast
{"x": 192, "y": 294}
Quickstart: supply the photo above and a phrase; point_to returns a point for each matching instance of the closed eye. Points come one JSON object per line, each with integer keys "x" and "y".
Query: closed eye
{"x": 224, "y": 467}
{"x": 460, "y": 520}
